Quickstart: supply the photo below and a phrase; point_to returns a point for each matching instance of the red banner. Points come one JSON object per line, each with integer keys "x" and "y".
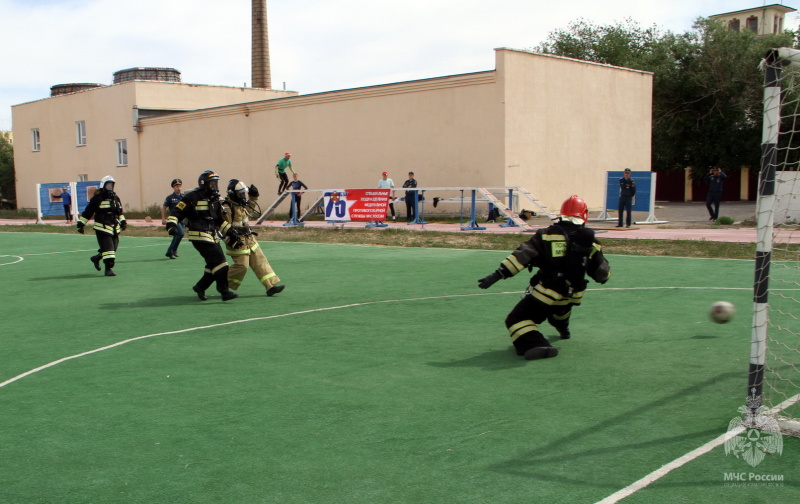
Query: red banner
{"x": 357, "y": 204}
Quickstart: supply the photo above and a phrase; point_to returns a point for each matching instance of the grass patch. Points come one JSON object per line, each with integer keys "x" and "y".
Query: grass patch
{"x": 459, "y": 240}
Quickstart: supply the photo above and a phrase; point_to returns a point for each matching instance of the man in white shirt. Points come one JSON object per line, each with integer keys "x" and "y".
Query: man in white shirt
{"x": 386, "y": 183}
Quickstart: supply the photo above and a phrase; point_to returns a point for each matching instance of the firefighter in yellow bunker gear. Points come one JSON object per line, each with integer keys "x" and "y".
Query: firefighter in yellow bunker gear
{"x": 241, "y": 244}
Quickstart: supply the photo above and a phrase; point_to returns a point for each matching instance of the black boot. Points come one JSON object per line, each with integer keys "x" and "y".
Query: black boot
{"x": 110, "y": 272}
{"x": 221, "y": 277}
{"x": 228, "y": 295}
{"x": 201, "y": 293}
{"x": 96, "y": 261}
{"x": 534, "y": 345}
{"x": 275, "y": 290}
{"x": 562, "y": 326}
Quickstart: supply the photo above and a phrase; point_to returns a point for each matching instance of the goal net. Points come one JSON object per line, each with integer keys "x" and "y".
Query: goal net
{"x": 774, "y": 373}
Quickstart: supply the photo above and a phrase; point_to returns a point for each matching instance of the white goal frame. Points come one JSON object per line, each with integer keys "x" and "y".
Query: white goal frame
{"x": 773, "y": 64}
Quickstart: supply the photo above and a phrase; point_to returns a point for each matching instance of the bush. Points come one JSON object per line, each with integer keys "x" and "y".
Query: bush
{"x": 724, "y": 221}
{"x": 153, "y": 211}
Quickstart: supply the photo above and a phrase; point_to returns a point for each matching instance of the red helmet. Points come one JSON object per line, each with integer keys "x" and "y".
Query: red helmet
{"x": 575, "y": 207}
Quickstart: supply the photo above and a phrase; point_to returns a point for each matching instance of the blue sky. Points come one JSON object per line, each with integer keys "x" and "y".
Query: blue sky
{"x": 315, "y": 45}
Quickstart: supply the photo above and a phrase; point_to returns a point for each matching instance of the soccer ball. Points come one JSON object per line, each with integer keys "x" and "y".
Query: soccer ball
{"x": 722, "y": 311}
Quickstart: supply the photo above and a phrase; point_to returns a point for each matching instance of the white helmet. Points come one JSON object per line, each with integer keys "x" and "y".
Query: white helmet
{"x": 105, "y": 180}
{"x": 238, "y": 191}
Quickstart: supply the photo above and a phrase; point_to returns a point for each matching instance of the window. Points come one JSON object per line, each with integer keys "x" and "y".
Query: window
{"x": 734, "y": 25}
{"x": 122, "y": 153}
{"x": 80, "y": 133}
{"x": 83, "y": 177}
{"x": 752, "y": 24}
{"x": 35, "y": 145}
{"x": 777, "y": 24}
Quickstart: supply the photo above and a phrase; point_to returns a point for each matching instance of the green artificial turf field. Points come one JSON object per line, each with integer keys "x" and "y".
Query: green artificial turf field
{"x": 380, "y": 375}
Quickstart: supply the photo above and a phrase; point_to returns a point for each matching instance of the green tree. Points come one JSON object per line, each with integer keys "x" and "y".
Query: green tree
{"x": 707, "y": 89}
{"x": 7, "y": 183}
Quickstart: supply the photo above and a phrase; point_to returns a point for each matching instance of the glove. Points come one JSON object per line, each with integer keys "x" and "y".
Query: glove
{"x": 488, "y": 281}
{"x": 123, "y": 225}
{"x": 233, "y": 238}
{"x": 172, "y": 229}
{"x": 253, "y": 191}
{"x": 80, "y": 227}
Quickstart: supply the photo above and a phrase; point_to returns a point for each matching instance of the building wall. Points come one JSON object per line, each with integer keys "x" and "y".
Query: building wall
{"x": 568, "y": 122}
{"x": 771, "y": 19}
{"x": 549, "y": 124}
{"x": 108, "y": 115}
{"x": 447, "y": 130}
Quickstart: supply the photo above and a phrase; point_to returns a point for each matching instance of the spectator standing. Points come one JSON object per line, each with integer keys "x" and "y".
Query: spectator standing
{"x": 715, "y": 179}
{"x": 386, "y": 183}
{"x": 66, "y": 200}
{"x": 411, "y": 196}
{"x": 169, "y": 205}
{"x": 296, "y": 185}
{"x": 627, "y": 192}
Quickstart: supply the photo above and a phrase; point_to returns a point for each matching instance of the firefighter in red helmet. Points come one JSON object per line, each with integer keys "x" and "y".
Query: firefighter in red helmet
{"x": 563, "y": 254}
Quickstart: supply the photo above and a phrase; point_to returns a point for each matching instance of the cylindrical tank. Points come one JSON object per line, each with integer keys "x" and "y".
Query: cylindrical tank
{"x": 61, "y": 89}
{"x": 147, "y": 74}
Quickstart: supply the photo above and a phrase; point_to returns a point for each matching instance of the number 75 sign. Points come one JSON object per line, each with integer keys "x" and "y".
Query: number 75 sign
{"x": 356, "y": 204}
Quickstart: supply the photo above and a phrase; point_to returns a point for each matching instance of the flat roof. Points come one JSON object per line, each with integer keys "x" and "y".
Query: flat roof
{"x": 779, "y": 7}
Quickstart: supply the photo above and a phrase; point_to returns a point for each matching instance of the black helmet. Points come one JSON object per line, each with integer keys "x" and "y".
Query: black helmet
{"x": 238, "y": 192}
{"x": 207, "y": 181}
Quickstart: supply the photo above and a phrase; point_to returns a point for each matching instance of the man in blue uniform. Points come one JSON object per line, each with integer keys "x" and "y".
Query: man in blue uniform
{"x": 66, "y": 200}
{"x": 627, "y": 190}
{"x": 715, "y": 178}
{"x": 564, "y": 253}
{"x": 169, "y": 205}
{"x": 410, "y": 196}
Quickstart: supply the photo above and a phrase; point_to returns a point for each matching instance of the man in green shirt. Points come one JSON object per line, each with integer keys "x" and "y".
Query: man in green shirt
{"x": 280, "y": 172}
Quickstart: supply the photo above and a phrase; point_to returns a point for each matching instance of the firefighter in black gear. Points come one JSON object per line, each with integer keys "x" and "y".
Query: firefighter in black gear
{"x": 202, "y": 209}
{"x": 109, "y": 222}
{"x": 564, "y": 254}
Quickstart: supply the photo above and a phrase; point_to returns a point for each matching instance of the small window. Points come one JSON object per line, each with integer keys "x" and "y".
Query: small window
{"x": 80, "y": 133}
{"x": 35, "y": 145}
{"x": 777, "y": 24}
{"x": 122, "y": 153}
{"x": 83, "y": 177}
{"x": 752, "y": 24}
{"x": 734, "y": 25}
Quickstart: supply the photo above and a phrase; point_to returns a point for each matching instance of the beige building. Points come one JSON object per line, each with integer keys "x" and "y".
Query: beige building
{"x": 552, "y": 125}
{"x": 764, "y": 20}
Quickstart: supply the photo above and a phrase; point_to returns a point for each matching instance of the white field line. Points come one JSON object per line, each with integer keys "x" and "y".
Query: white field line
{"x": 232, "y": 322}
{"x": 685, "y": 459}
{"x": 302, "y": 312}
{"x": 20, "y": 258}
{"x": 16, "y": 257}
{"x": 614, "y": 498}
{"x": 668, "y": 468}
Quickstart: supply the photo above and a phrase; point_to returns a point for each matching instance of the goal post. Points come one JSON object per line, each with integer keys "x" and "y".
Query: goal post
{"x": 773, "y": 386}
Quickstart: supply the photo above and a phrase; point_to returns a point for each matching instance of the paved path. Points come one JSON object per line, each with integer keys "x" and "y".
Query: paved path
{"x": 684, "y": 221}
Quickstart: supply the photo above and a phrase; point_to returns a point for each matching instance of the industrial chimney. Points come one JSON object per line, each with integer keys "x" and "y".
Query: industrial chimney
{"x": 260, "y": 56}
